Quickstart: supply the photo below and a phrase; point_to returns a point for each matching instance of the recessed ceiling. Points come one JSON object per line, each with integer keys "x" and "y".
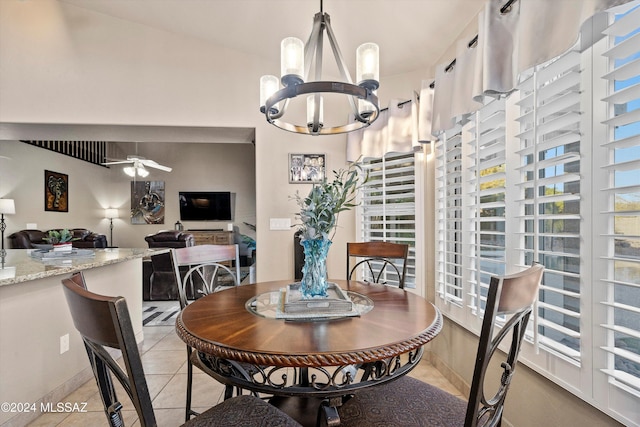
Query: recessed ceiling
{"x": 412, "y": 34}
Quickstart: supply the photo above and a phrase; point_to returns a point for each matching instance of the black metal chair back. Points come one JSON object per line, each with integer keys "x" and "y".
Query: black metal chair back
{"x": 378, "y": 257}
{"x": 200, "y": 271}
{"x": 508, "y": 308}
{"x": 105, "y": 322}
{"x": 512, "y": 295}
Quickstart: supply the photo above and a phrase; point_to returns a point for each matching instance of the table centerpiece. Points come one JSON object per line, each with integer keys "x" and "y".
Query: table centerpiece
{"x": 318, "y": 216}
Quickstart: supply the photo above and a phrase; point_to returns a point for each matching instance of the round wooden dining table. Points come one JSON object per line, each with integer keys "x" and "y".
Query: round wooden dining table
{"x": 318, "y": 361}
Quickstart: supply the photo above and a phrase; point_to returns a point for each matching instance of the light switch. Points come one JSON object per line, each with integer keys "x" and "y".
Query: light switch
{"x": 280, "y": 223}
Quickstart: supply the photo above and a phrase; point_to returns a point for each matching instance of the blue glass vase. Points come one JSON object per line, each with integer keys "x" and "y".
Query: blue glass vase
{"x": 314, "y": 272}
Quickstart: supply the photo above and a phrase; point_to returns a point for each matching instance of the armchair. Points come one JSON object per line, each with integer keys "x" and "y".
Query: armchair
{"x": 170, "y": 239}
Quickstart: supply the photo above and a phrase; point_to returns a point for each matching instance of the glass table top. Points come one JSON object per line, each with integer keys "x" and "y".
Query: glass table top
{"x": 270, "y": 305}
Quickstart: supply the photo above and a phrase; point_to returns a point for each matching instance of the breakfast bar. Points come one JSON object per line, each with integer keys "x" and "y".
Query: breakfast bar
{"x": 42, "y": 358}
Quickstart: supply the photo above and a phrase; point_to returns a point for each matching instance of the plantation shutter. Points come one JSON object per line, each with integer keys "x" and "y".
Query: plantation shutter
{"x": 449, "y": 265}
{"x": 620, "y": 285}
{"x": 487, "y": 179}
{"x": 388, "y": 207}
{"x": 549, "y": 196}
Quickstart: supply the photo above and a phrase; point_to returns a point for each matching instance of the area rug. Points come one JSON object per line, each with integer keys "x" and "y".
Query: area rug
{"x": 164, "y": 313}
{"x": 160, "y": 313}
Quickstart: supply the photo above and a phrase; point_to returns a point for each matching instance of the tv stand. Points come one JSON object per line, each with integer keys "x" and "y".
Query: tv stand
{"x": 205, "y": 229}
{"x": 212, "y": 237}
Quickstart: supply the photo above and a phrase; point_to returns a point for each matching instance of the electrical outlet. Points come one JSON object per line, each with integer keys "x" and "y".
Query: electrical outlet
{"x": 32, "y": 226}
{"x": 64, "y": 343}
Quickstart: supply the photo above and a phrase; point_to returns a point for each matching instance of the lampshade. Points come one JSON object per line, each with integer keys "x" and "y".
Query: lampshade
{"x": 269, "y": 85}
{"x": 311, "y": 112}
{"x": 291, "y": 60}
{"x": 7, "y": 206}
{"x": 367, "y": 65}
{"x": 111, "y": 213}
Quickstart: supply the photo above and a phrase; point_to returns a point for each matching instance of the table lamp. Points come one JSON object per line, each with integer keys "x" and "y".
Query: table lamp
{"x": 111, "y": 213}
{"x": 7, "y": 206}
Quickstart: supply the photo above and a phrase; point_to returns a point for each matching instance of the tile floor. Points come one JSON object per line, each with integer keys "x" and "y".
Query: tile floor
{"x": 164, "y": 360}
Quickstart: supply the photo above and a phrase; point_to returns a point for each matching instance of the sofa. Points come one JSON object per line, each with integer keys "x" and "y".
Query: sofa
{"x": 170, "y": 239}
{"x": 31, "y": 239}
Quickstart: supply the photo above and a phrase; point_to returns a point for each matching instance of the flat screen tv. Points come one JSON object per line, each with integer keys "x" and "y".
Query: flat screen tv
{"x": 205, "y": 206}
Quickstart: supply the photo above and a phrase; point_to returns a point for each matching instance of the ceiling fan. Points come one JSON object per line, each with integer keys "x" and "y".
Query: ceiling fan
{"x": 138, "y": 165}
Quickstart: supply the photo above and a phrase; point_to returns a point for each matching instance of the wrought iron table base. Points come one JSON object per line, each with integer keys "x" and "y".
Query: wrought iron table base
{"x": 306, "y": 388}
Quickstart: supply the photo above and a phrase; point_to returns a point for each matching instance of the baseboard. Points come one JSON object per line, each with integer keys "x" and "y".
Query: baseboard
{"x": 456, "y": 380}
{"x": 64, "y": 390}
{"x": 57, "y": 395}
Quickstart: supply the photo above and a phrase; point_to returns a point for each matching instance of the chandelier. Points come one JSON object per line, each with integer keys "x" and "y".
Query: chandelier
{"x": 296, "y": 59}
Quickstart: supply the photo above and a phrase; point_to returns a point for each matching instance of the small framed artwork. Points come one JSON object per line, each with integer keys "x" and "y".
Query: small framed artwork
{"x": 306, "y": 168}
{"x": 56, "y": 191}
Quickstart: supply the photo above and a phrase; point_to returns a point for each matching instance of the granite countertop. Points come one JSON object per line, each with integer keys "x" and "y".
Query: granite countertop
{"x": 20, "y": 266}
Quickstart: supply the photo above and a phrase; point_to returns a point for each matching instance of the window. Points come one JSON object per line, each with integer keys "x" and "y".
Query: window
{"x": 388, "y": 206}
{"x": 551, "y": 173}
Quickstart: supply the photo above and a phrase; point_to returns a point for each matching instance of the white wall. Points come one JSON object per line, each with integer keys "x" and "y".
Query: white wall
{"x": 92, "y": 188}
{"x": 64, "y": 64}
{"x": 22, "y": 169}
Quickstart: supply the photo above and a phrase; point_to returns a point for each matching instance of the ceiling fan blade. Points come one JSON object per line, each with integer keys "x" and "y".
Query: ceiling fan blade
{"x": 121, "y": 162}
{"x": 153, "y": 164}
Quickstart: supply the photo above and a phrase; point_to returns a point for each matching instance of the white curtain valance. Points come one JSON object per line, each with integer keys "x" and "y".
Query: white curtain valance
{"x": 425, "y": 113}
{"x": 395, "y": 130}
{"x": 531, "y": 32}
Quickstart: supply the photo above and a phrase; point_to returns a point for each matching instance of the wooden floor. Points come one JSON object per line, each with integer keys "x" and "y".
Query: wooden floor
{"x": 164, "y": 361}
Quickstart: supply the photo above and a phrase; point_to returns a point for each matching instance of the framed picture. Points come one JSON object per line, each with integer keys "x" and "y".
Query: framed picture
{"x": 147, "y": 202}
{"x": 56, "y": 191}
{"x": 306, "y": 168}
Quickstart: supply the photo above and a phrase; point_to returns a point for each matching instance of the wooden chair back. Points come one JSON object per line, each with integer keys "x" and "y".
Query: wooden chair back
{"x": 378, "y": 257}
{"x": 514, "y": 296}
{"x": 104, "y": 322}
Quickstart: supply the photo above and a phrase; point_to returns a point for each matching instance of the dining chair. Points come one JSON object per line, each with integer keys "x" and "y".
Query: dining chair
{"x": 219, "y": 259}
{"x": 408, "y": 402}
{"x": 377, "y": 258}
{"x": 193, "y": 358}
{"x": 104, "y": 323}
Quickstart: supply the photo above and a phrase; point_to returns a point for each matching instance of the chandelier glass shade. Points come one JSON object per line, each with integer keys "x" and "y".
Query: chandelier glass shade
{"x": 296, "y": 63}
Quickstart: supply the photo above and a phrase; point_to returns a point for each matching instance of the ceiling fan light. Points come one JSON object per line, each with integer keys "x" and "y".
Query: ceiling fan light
{"x": 130, "y": 170}
{"x": 291, "y": 61}
{"x": 142, "y": 172}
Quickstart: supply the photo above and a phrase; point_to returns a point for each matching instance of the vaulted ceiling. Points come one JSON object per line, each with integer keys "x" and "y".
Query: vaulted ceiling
{"x": 412, "y": 34}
